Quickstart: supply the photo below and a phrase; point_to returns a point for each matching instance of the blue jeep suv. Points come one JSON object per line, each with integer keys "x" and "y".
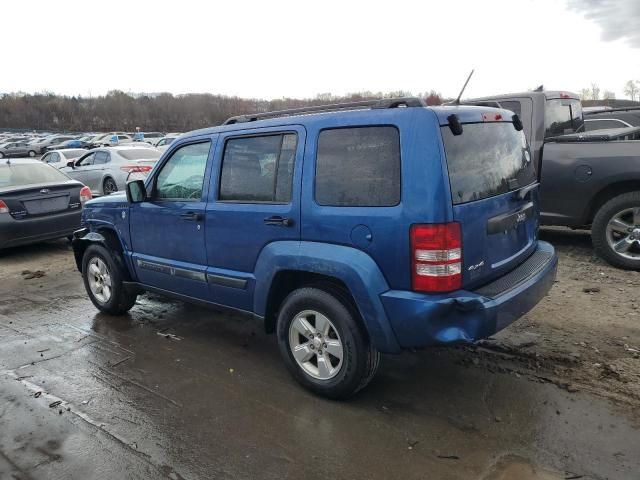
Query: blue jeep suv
{"x": 349, "y": 230}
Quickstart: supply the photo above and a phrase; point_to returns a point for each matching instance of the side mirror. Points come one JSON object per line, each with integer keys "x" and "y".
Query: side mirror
{"x": 136, "y": 191}
{"x": 71, "y": 164}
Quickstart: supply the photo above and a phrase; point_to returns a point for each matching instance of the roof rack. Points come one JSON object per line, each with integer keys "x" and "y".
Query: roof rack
{"x": 371, "y": 104}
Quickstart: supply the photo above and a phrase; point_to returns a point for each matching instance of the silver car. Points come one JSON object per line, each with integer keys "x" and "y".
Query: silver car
{"x": 14, "y": 149}
{"x": 107, "y": 170}
{"x": 38, "y": 147}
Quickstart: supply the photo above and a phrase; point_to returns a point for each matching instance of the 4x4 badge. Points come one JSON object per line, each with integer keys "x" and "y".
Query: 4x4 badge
{"x": 477, "y": 266}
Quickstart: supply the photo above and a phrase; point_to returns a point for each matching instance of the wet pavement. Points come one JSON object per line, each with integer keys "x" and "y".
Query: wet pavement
{"x": 175, "y": 391}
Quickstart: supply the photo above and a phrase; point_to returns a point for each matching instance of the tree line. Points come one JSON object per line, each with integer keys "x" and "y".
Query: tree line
{"x": 163, "y": 112}
{"x": 631, "y": 89}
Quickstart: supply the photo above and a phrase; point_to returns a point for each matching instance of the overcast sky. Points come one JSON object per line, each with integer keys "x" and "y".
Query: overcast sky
{"x": 271, "y": 49}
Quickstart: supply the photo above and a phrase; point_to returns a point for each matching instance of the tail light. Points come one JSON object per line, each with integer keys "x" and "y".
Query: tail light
{"x": 436, "y": 257}
{"x": 85, "y": 194}
{"x": 136, "y": 168}
{"x": 3, "y": 207}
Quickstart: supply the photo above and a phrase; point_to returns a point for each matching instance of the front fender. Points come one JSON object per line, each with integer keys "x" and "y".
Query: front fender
{"x": 81, "y": 239}
{"x": 353, "y": 267}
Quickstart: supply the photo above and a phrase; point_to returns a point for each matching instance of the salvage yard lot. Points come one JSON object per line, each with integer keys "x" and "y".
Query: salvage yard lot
{"x": 175, "y": 391}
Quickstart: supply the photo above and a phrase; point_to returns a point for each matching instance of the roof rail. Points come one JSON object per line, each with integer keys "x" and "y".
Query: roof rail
{"x": 616, "y": 109}
{"x": 371, "y": 104}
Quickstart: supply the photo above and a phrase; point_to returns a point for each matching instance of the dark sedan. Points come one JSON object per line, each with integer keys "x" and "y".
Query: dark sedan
{"x": 37, "y": 202}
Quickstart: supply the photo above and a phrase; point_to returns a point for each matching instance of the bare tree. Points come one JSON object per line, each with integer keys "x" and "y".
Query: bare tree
{"x": 585, "y": 94}
{"x": 608, "y": 95}
{"x": 631, "y": 89}
{"x": 595, "y": 91}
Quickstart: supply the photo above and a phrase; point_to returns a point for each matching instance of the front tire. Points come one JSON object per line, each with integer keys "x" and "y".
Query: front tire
{"x": 323, "y": 344}
{"x": 103, "y": 278}
{"x": 616, "y": 231}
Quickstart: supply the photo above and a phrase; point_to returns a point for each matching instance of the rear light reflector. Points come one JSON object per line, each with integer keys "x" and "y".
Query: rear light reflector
{"x": 85, "y": 194}
{"x": 436, "y": 257}
{"x": 3, "y": 207}
{"x": 136, "y": 168}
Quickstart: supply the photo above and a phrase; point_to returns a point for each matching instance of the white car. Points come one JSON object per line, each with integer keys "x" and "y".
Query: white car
{"x": 60, "y": 158}
{"x": 164, "y": 142}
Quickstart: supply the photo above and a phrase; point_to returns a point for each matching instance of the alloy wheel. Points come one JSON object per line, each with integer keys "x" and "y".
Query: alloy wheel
{"x": 99, "y": 279}
{"x": 109, "y": 187}
{"x": 316, "y": 345}
{"x": 623, "y": 233}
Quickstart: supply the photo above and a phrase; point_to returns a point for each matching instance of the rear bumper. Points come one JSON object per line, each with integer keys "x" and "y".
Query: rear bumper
{"x": 464, "y": 317}
{"x": 20, "y": 232}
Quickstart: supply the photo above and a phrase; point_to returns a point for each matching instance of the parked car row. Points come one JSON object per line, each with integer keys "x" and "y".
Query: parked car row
{"x": 33, "y": 144}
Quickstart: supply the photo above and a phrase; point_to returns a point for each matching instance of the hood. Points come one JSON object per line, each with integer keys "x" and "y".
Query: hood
{"x": 117, "y": 200}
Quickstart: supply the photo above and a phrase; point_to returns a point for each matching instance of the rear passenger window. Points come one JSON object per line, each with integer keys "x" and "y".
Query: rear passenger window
{"x": 258, "y": 169}
{"x": 101, "y": 158}
{"x": 358, "y": 167}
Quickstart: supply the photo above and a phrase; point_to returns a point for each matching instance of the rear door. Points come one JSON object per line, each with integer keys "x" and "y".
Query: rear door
{"x": 256, "y": 201}
{"x": 168, "y": 230}
{"x": 95, "y": 173}
{"x": 492, "y": 181}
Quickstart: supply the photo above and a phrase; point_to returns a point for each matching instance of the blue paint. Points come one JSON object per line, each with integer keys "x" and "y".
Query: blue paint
{"x": 368, "y": 249}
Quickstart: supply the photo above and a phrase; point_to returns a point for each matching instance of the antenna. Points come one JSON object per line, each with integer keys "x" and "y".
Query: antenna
{"x": 457, "y": 101}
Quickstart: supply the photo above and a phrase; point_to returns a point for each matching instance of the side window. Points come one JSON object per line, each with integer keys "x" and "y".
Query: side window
{"x": 85, "y": 161}
{"x": 54, "y": 158}
{"x": 101, "y": 158}
{"x": 513, "y": 106}
{"x": 182, "y": 176}
{"x": 258, "y": 169}
{"x": 358, "y": 167}
{"x": 47, "y": 158}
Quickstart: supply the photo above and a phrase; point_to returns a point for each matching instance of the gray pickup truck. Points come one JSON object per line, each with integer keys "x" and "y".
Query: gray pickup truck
{"x": 587, "y": 179}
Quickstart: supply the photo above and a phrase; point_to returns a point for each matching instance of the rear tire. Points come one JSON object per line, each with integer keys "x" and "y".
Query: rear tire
{"x": 310, "y": 320}
{"x": 103, "y": 278}
{"x": 1, "y": 155}
{"x": 32, "y": 153}
{"x": 615, "y": 232}
{"x": 109, "y": 186}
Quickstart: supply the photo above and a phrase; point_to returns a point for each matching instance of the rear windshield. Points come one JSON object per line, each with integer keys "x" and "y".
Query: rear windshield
{"x": 562, "y": 116}
{"x": 74, "y": 153}
{"x": 488, "y": 159}
{"x": 17, "y": 175}
{"x": 139, "y": 153}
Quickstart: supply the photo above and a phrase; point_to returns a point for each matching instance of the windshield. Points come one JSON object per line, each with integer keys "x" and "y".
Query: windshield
{"x": 17, "y": 175}
{"x": 139, "y": 154}
{"x": 487, "y": 159}
{"x": 563, "y": 116}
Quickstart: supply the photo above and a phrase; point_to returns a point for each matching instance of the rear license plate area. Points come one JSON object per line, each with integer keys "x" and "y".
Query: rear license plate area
{"x": 46, "y": 205}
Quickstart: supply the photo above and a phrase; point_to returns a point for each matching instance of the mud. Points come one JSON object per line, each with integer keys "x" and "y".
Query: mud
{"x": 174, "y": 391}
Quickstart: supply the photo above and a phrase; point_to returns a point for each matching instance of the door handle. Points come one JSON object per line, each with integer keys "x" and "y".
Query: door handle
{"x": 191, "y": 216}
{"x": 279, "y": 221}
